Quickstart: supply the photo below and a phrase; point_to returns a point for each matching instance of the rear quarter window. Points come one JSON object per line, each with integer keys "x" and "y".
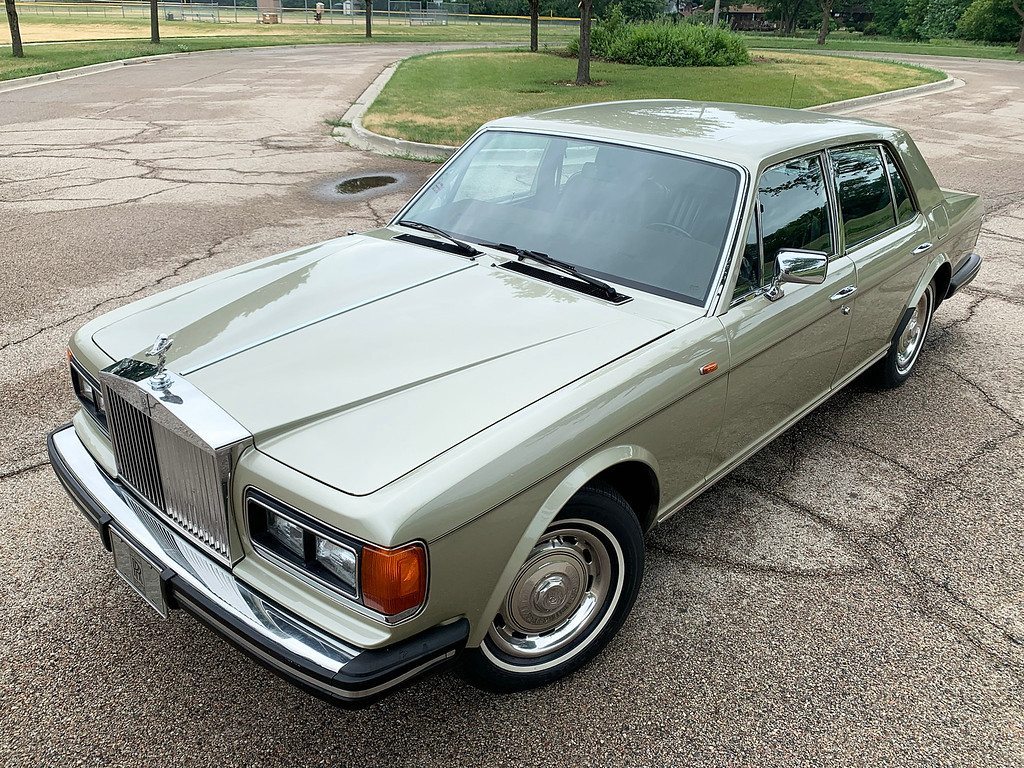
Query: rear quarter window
{"x": 905, "y": 210}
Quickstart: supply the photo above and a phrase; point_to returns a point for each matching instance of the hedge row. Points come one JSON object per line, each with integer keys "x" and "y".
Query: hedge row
{"x": 665, "y": 45}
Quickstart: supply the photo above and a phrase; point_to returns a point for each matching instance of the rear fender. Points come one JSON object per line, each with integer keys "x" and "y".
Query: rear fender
{"x": 926, "y": 277}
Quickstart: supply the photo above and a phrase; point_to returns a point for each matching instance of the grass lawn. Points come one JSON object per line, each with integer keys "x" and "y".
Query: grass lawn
{"x": 443, "y": 98}
{"x": 839, "y": 41}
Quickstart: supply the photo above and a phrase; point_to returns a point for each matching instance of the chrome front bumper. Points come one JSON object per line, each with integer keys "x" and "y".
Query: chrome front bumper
{"x": 307, "y": 657}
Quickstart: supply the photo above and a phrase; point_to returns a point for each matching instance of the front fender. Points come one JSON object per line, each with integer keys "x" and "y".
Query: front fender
{"x": 547, "y": 500}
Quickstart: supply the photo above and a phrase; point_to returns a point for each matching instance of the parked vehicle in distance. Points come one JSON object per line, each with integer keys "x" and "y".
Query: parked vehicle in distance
{"x": 447, "y": 437}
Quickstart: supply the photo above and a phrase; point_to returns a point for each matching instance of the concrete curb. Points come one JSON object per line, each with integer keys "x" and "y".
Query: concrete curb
{"x": 355, "y": 135}
{"x": 913, "y": 92}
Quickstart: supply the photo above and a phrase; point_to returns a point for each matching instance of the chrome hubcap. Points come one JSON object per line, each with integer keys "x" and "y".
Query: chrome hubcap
{"x": 556, "y": 595}
{"x": 909, "y": 344}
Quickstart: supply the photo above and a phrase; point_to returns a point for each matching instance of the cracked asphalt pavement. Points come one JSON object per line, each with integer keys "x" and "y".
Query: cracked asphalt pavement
{"x": 850, "y": 596}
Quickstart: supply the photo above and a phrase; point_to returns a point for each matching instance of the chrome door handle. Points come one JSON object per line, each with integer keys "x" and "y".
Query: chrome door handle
{"x": 922, "y": 248}
{"x": 843, "y": 293}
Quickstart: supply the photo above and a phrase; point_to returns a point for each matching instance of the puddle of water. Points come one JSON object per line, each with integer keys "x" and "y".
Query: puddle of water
{"x": 363, "y": 183}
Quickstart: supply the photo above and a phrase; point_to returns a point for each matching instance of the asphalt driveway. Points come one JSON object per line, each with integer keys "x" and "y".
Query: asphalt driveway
{"x": 851, "y": 596}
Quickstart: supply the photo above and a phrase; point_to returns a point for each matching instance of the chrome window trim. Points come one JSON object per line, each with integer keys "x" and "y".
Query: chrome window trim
{"x": 889, "y": 155}
{"x": 831, "y": 201}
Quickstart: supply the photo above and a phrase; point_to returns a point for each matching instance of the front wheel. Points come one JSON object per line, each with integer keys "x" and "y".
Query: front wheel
{"x": 569, "y": 598}
{"x": 896, "y": 366}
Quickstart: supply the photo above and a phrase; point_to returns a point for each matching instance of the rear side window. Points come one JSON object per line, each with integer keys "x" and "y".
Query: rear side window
{"x": 905, "y": 210}
{"x": 864, "y": 197}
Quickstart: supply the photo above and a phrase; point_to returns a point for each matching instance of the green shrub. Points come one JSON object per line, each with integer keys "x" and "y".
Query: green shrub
{"x": 871, "y": 29}
{"x": 992, "y": 21}
{"x": 665, "y": 45}
{"x": 941, "y": 17}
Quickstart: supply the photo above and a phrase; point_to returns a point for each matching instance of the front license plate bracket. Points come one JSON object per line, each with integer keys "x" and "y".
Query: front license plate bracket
{"x": 138, "y": 571}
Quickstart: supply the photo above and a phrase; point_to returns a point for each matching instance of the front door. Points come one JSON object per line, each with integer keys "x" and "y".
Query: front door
{"x": 784, "y": 353}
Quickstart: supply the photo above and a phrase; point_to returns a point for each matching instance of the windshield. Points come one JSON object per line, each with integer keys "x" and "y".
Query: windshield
{"x": 644, "y": 219}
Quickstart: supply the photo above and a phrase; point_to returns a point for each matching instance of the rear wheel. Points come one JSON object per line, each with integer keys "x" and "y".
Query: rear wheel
{"x": 569, "y": 598}
{"x": 896, "y": 367}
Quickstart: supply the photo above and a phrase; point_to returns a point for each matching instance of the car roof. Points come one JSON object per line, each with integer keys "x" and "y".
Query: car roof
{"x": 740, "y": 133}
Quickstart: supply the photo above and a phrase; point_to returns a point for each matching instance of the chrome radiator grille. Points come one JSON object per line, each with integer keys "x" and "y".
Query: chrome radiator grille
{"x": 177, "y": 477}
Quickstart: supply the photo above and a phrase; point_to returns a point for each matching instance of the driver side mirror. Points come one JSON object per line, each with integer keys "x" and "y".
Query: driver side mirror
{"x": 799, "y": 267}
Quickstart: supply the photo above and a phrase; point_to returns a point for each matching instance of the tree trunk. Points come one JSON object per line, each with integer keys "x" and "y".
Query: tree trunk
{"x": 154, "y": 21}
{"x": 826, "y": 13}
{"x": 369, "y": 18}
{"x": 534, "y": 21}
{"x": 583, "y": 65}
{"x": 1020, "y": 12}
{"x": 718, "y": 11}
{"x": 12, "y": 22}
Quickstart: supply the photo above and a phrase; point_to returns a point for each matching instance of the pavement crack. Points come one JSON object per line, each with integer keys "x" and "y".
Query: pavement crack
{"x": 935, "y": 600}
{"x": 680, "y": 553}
{"x": 209, "y": 254}
{"x": 24, "y": 470}
{"x": 989, "y": 400}
{"x": 379, "y": 220}
{"x": 1002, "y": 235}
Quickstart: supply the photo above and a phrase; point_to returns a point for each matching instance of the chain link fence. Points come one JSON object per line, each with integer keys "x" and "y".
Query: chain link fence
{"x": 400, "y": 12}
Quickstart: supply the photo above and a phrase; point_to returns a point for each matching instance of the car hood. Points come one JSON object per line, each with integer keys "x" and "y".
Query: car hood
{"x": 358, "y": 360}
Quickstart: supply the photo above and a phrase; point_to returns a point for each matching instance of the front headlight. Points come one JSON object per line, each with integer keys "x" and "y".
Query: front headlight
{"x": 387, "y": 581}
{"x": 336, "y": 559}
{"x": 288, "y": 534}
{"x": 88, "y": 392}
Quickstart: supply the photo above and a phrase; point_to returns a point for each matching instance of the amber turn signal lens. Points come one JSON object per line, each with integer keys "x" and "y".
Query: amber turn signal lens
{"x": 394, "y": 580}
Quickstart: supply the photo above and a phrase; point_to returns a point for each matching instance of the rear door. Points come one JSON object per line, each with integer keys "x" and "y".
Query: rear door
{"x": 887, "y": 239}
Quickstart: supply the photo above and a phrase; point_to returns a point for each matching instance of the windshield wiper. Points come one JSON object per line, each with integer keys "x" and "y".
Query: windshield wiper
{"x": 609, "y": 293}
{"x": 463, "y": 246}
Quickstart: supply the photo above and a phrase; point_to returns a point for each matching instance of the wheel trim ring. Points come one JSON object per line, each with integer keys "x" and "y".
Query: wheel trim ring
{"x": 500, "y": 658}
{"x": 908, "y": 346}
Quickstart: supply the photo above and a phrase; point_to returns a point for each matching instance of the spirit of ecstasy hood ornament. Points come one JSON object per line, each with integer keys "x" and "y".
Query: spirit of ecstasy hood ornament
{"x": 160, "y": 380}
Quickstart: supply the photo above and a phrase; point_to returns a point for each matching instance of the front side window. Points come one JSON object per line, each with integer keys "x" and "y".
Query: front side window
{"x": 641, "y": 218}
{"x": 794, "y": 213}
{"x": 864, "y": 197}
{"x": 750, "y": 267}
